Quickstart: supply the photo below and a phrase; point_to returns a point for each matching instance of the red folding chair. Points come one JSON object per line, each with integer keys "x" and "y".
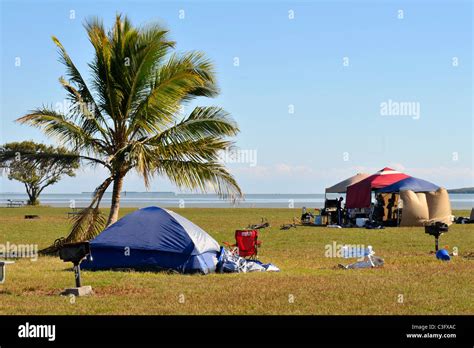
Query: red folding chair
{"x": 246, "y": 244}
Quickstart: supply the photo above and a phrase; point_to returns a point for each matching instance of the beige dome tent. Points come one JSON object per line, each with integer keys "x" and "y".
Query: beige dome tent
{"x": 341, "y": 187}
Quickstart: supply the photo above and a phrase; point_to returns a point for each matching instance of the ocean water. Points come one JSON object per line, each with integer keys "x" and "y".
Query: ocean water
{"x": 170, "y": 200}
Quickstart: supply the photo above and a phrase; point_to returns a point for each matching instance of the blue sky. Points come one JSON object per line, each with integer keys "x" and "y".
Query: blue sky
{"x": 285, "y": 64}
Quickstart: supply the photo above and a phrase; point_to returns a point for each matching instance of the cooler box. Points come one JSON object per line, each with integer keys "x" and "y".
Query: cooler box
{"x": 318, "y": 220}
{"x": 360, "y": 222}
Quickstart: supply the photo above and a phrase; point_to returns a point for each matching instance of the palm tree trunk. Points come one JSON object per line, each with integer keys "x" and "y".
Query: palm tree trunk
{"x": 115, "y": 207}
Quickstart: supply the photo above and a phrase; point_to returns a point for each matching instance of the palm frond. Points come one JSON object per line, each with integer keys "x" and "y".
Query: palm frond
{"x": 75, "y": 77}
{"x": 205, "y": 177}
{"x": 103, "y": 84}
{"x": 209, "y": 121}
{"x": 57, "y": 125}
{"x": 200, "y": 150}
{"x": 85, "y": 114}
{"x": 179, "y": 80}
{"x": 87, "y": 224}
{"x": 145, "y": 51}
{"x": 90, "y": 222}
{"x": 197, "y": 139}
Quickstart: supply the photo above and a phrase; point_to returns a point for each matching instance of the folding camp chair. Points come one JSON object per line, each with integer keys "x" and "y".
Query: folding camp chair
{"x": 246, "y": 244}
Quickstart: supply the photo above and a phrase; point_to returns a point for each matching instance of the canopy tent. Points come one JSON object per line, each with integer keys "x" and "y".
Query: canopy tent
{"x": 154, "y": 238}
{"x": 358, "y": 194}
{"x": 410, "y": 183}
{"x": 341, "y": 187}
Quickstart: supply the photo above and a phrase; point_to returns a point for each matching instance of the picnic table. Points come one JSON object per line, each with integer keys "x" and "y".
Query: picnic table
{"x": 75, "y": 211}
{"x": 11, "y": 203}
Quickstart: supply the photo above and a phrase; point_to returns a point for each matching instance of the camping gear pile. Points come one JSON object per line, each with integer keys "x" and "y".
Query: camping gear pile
{"x": 230, "y": 262}
{"x": 465, "y": 220}
{"x": 366, "y": 258}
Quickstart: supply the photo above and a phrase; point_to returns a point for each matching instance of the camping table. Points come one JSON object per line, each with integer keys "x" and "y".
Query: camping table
{"x": 14, "y": 203}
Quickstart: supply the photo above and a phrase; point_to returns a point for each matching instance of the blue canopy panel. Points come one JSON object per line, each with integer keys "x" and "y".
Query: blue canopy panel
{"x": 411, "y": 183}
{"x": 153, "y": 239}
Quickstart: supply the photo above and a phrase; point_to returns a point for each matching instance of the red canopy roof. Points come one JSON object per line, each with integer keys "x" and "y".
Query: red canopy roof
{"x": 358, "y": 194}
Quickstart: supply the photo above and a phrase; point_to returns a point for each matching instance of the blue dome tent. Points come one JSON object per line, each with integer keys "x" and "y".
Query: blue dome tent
{"x": 153, "y": 238}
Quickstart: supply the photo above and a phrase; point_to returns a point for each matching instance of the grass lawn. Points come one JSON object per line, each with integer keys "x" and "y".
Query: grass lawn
{"x": 309, "y": 282}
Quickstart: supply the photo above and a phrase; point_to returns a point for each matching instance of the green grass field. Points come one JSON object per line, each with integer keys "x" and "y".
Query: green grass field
{"x": 412, "y": 281}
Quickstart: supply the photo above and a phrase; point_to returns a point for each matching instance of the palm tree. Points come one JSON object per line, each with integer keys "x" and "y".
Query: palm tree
{"x": 129, "y": 118}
